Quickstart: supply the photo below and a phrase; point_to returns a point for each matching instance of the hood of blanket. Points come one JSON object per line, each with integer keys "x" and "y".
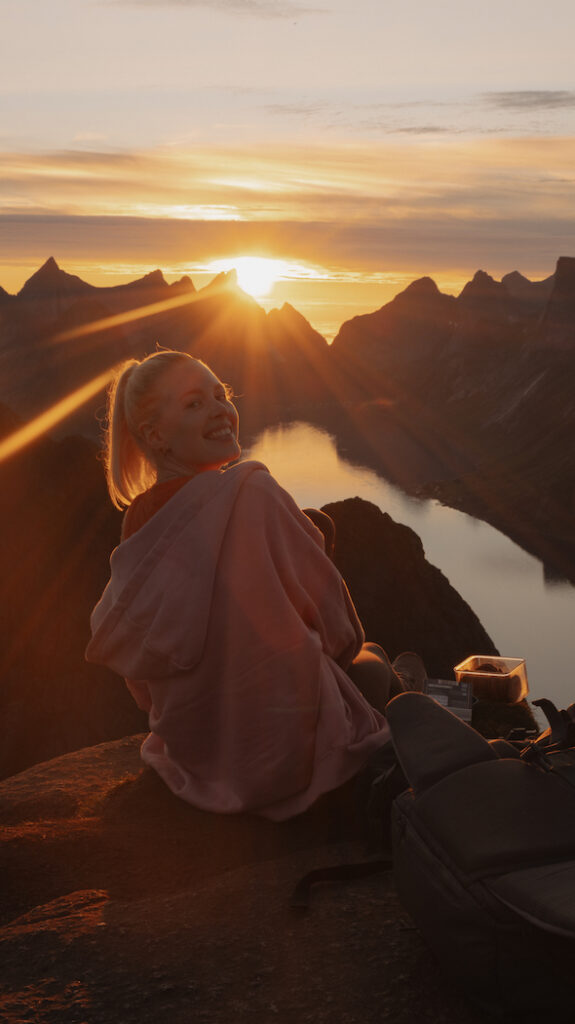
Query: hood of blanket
{"x": 152, "y": 619}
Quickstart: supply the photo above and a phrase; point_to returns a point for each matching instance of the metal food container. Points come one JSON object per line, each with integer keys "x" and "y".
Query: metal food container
{"x": 494, "y": 678}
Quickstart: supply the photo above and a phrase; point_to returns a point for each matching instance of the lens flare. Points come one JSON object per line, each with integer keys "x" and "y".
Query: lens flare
{"x": 51, "y": 417}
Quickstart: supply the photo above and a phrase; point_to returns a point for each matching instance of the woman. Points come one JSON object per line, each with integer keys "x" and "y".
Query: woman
{"x": 232, "y": 627}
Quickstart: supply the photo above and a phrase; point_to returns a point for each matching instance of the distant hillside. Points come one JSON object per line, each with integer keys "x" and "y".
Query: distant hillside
{"x": 484, "y": 382}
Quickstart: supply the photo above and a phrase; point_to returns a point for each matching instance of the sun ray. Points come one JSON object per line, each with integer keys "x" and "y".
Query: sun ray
{"x": 130, "y": 315}
{"x": 48, "y": 419}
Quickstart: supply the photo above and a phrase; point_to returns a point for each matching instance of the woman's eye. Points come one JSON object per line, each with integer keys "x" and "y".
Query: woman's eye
{"x": 194, "y": 404}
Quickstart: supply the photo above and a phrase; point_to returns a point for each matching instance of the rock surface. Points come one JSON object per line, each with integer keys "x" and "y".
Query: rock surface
{"x": 404, "y": 602}
{"x": 123, "y": 904}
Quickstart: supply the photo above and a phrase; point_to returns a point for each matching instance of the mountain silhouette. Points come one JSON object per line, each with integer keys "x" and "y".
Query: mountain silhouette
{"x": 59, "y": 332}
{"x": 455, "y": 396}
{"x": 558, "y": 323}
{"x": 50, "y": 279}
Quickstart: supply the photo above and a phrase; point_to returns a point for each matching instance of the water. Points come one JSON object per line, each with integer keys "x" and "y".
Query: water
{"x": 525, "y": 616}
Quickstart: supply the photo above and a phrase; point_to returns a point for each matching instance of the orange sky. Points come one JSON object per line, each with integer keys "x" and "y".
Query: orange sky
{"x": 365, "y": 144}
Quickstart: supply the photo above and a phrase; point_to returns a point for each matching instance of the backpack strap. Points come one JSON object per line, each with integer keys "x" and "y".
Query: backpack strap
{"x": 301, "y": 895}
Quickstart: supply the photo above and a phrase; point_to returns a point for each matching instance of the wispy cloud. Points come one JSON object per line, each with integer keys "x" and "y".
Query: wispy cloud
{"x": 421, "y": 245}
{"x": 291, "y": 181}
{"x": 254, "y": 8}
{"x": 531, "y": 99}
{"x": 425, "y": 129}
{"x": 399, "y": 205}
{"x": 297, "y": 109}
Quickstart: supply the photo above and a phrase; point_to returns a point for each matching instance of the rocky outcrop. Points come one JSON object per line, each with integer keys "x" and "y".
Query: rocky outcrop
{"x": 121, "y": 903}
{"x": 404, "y": 602}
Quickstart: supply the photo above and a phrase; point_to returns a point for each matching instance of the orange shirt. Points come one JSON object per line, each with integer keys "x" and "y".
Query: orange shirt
{"x": 145, "y": 505}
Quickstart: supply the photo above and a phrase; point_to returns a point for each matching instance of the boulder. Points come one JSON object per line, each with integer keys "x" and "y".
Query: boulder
{"x": 403, "y": 601}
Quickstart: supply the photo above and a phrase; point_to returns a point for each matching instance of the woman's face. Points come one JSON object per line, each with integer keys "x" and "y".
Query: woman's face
{"x": 196, "y": 427}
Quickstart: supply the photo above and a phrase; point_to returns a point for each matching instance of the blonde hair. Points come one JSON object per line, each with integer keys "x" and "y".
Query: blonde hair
{"x": 130, "y": 466}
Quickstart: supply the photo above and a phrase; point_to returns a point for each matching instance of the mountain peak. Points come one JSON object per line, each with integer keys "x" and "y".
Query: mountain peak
{"x": 483, "y": 287}
{"x": 225, "y": 279}
{"x": 533, "y": 292}
{"x": 422, "y": 298}
{"x": 565, "y": 275}
{"x": 184, "y": 284}
{"x": 515, "y": 277}
{"x": 424, "y": 286}
{"x": 50, "y": 278}
{"x": 154, "y": 279}
{"x": 482, "y": 280}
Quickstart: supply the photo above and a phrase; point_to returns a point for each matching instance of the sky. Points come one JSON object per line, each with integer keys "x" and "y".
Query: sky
{"x": 360, "y": 144}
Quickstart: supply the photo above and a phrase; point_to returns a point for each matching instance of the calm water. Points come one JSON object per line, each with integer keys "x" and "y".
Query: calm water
{"x": 525, "y": 616}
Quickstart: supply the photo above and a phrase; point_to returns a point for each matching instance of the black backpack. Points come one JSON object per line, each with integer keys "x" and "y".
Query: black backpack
{"x": 483, "y": 847}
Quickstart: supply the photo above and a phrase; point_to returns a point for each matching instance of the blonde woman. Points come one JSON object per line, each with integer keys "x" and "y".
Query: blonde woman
{"x": 231, "y": 626}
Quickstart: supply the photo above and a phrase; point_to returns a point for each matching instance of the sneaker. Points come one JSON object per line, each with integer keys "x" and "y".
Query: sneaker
{"x": 411, "y": 670}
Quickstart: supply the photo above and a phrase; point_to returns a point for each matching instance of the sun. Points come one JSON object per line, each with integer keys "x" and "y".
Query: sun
{"x": 256, "y": 274}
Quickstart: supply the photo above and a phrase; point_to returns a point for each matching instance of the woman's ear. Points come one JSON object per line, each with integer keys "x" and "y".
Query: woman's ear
{"x": 152, "y": 436}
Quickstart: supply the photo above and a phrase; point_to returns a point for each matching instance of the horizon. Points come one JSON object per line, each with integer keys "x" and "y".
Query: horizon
{"x": 364, "y": 147}
{"x": 268, "y": 298}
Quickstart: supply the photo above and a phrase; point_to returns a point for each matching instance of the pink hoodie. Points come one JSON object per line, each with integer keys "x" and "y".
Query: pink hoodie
{"x": 234, "y": 630}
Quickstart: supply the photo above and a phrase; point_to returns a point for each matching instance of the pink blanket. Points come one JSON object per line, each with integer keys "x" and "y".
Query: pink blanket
{"x": 234, "y": 631}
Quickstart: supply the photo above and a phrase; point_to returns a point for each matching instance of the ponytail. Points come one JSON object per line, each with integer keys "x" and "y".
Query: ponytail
{"x": 130, "y": 467}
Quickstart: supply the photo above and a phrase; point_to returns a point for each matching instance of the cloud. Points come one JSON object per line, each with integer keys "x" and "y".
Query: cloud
{"x": 302, "y": 109}
{"x": 426, "y": 129}
{"x": 255, "y": 8}
{"x": 400, "y": 205}
{"x": 531, "y": 99}
{"x": 419, "y": 245}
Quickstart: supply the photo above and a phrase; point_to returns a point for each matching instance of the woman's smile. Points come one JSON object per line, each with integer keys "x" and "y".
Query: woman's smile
{"x": 197, "y": 425}
{"x": 221, "y": 432}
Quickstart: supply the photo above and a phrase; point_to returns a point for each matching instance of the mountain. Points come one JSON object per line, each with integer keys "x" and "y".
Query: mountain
{"x": 483, "y": 296}
{"x": 51, "y": 290}
{"x": 558, "y": 323}
{"x": 50, "y": 280}
{"x": 438, "y": 393}
{"x": 59, "y": 332}
{"x": 531, "y": 294}
{"x": 185, "y": 284}
{"x": 460, "y": 401}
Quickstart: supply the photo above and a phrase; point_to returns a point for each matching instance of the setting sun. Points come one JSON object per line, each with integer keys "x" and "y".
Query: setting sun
{"x": 256, "y": 274}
